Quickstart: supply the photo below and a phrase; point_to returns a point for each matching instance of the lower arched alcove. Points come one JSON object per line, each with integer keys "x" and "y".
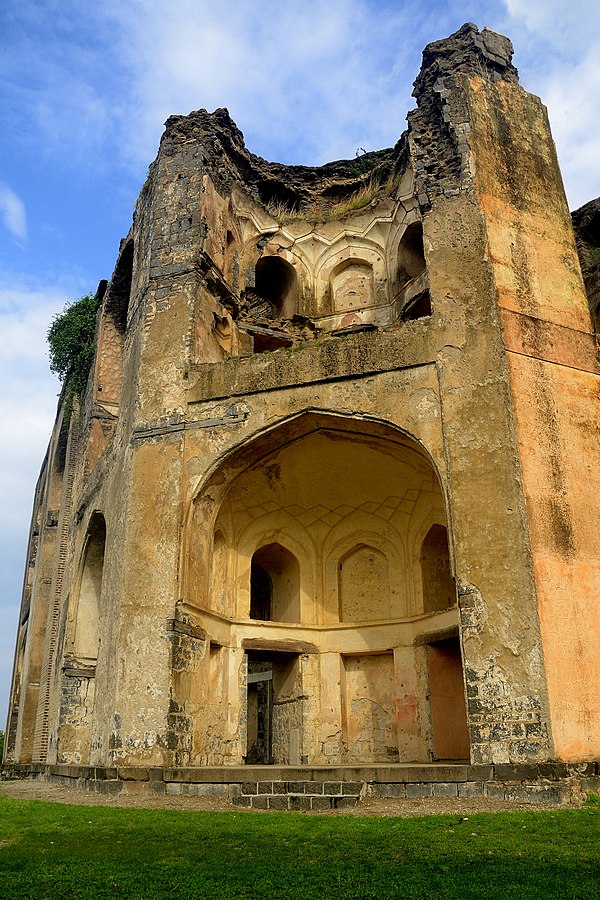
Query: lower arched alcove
{"x": 328, "y": 546}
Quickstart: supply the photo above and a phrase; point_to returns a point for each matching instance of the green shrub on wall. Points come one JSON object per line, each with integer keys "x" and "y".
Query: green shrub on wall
{"x": 71, "y": 341}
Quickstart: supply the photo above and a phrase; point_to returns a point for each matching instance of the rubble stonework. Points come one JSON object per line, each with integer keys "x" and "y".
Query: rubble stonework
{"x": 329, "y": 498}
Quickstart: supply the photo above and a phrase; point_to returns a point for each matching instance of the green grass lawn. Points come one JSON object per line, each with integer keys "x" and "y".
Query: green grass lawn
{"x": 56, "y": 851}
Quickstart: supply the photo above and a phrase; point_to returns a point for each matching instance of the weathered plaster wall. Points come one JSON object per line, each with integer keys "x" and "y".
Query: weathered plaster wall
{"x": 368, "y": 708}
{"x": 554, "y": 383}
{"x": 76, "y": 712}
{"x": 504, "y": 666}
{"x": 558, "y": 434}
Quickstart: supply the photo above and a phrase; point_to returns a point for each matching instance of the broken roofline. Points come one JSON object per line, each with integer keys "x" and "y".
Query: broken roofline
{"x": 295, "y": 187}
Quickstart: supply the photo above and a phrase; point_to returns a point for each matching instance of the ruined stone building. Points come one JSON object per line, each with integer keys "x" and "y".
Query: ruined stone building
{"x": 330, "y": 498}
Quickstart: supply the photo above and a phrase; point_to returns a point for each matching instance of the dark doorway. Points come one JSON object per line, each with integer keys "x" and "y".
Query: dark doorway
{"x": 447, "y": 692}
{"x": 274, "y": 708}
{"x": 261, "y": 593}
{"x": 260, "y": 712}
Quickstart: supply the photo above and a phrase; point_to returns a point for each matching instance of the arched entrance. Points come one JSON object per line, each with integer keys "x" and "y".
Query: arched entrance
{"x": 340, "y": 590}
{"x": 81, "y": 651}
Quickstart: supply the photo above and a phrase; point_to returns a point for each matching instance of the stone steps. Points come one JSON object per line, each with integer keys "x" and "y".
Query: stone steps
{"x": 330, "y": 787}
{"x": 298, "y": 795}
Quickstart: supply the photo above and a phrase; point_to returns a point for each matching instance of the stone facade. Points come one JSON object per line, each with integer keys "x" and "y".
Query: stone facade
{"x": 329, "y": 499}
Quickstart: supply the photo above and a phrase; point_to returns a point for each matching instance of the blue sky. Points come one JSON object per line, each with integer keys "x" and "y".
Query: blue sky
{"x": 85, "y": 90}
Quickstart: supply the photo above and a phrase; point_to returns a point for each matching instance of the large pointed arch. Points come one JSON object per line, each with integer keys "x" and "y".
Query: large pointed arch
{"x": 210, "y": 493}
{"x": 325, "y": 517}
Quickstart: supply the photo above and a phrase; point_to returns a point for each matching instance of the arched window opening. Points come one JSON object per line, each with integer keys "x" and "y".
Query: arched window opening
{"x": 119, "y": 290}
{"x": 88, "y": 607}
{"x": 275, "y": 585}
{"x": 364, "y": 585}
{"x": 439, "y": 591}
{"x": 352, "y": 286}
{"x": 411, "y": 255}
{"x": 275, "y": 281}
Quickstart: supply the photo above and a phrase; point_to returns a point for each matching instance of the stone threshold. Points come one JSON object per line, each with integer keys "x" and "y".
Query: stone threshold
{"x": 330, "y": 787}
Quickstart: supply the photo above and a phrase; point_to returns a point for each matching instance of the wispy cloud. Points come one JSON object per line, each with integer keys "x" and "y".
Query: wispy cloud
{"x": 29, "y": 396}
{"x": 12, "y": 212}
{"x": 57, "y": 83}
{"x": 304, "y": 82}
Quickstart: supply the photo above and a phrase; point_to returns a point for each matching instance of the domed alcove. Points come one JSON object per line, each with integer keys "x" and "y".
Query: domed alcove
{"x": 332, "y": 552}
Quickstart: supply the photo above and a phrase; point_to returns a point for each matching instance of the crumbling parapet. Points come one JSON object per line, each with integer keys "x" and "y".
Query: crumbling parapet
{"x": 440, "y": 126}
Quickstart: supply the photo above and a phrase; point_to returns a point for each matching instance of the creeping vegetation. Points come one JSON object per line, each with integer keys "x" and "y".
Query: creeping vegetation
{"x": 71, "y": 343}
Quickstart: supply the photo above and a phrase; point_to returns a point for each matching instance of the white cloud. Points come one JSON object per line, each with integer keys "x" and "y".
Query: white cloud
{"x": 312, "y": 82}
{"x": 309, "y": 81}
{"x": 12, "y": 211}
{"x": 306, "y": 82}
{"x": 561, "y": 25}
{"x": 573, "y": 100}
{"x": 56, "y": 83}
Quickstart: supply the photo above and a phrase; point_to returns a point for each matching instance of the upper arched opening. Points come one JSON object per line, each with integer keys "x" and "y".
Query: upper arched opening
{"x": 411, "y": 254}
{"x": 275, "y": 281}
{"x": 119, "y": 291}
{"x": 275, "y": 585}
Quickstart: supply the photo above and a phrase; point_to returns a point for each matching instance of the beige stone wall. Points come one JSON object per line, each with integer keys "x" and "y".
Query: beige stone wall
{"x": 554, "y": 389}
